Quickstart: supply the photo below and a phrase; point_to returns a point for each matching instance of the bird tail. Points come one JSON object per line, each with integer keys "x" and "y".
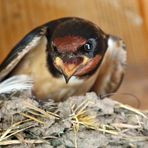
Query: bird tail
{"x": 16, "y": 83}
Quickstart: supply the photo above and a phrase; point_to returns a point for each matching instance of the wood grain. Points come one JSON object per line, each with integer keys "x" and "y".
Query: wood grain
{"x": 144, "y": 11}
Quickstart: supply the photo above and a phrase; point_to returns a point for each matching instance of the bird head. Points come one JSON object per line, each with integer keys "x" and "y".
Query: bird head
{"x": 76, "y": 48}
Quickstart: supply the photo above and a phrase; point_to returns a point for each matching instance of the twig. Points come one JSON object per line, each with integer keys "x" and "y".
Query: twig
{"x": 122, "y": 125}
{"x": 132, "y": 109}
{"x": 11, "y": 142}
{"x": 18, "y": 131}
{"x": 32, "y": 118}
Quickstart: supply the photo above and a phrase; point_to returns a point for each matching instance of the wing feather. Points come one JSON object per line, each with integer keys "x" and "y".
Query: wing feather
{"x": 112, "y": 68}
{"x": 20, "y": 50}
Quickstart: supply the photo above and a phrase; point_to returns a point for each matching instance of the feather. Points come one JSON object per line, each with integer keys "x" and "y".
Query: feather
{"x": 16, "y": 83}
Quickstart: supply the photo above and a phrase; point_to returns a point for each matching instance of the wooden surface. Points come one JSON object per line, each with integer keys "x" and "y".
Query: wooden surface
{"x": 126, "y": 19}
{"x": 144, "y": 12}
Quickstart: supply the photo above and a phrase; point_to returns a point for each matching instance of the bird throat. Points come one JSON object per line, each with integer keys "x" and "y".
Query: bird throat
{"x": 68, "y": 68}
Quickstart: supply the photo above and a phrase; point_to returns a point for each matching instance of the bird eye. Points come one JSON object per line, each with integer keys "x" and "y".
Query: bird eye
{"x": 90, "y": 45}
{"x": 87, "y": 46}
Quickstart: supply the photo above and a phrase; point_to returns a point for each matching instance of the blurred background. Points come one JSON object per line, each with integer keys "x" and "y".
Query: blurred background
{"x": 127, "y": 19}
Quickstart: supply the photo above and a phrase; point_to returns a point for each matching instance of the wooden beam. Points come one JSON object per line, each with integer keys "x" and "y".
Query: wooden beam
{"x": 144, "y": 11}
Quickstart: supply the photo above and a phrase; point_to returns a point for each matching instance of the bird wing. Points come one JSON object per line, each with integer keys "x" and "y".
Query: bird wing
{"x": 29, "y": 42}
{"x": 112, "y": 68}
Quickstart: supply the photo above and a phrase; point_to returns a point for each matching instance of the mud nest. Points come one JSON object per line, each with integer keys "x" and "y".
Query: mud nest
{"x": 80, "y": 122}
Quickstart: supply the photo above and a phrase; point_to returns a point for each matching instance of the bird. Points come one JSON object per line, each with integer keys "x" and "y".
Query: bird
{"x": 66, "y": 57}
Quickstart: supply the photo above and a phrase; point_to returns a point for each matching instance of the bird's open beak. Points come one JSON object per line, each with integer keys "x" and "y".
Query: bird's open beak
{"x": 69, "y": 69}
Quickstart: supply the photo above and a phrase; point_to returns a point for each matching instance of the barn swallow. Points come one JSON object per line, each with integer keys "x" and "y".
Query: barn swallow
{"x": 68, "y": 56}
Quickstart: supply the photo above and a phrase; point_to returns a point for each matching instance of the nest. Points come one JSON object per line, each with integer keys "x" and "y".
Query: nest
{"x": 78, "y": 122}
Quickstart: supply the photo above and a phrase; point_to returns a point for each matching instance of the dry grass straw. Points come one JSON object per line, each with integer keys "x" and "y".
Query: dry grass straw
{"x": 79, "y": 117}
{"x": 134, "y": 110}
{"x": 32, "y": 113}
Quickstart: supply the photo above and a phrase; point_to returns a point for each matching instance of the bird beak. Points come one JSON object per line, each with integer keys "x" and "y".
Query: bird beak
{"x": 69, "y": 69}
